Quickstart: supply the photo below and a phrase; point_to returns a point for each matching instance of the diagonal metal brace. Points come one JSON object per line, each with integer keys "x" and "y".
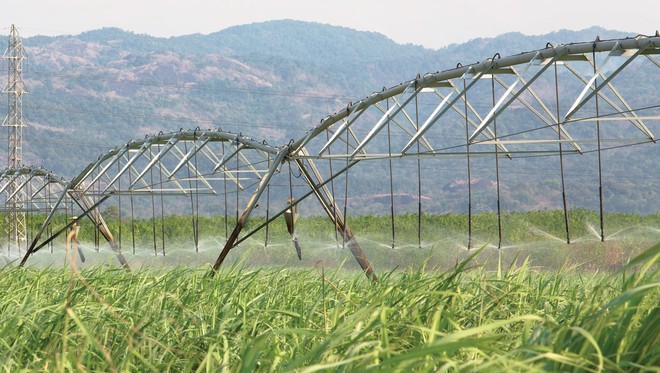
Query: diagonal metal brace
{"x": 230, "y": 244}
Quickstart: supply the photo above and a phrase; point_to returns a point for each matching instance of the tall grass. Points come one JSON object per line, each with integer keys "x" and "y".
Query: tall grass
{"x": 513, "y": 318}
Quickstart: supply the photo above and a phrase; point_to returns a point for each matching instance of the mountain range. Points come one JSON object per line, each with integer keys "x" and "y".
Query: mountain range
{"x": 273, "y": 80}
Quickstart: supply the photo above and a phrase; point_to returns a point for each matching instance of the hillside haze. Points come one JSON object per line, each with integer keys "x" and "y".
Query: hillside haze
{"x": 271, "y": 80}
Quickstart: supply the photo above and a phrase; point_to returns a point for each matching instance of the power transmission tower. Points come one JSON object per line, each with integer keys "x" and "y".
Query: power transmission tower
{"x": 15, "y": 88}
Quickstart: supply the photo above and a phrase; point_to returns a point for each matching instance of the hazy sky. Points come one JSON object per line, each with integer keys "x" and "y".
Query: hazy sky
{"x": 432, "y": 23}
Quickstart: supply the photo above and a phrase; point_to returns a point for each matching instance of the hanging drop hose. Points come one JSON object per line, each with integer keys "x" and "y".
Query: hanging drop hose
{"x": 153, "y": 206}
{"x": 267, "y": 206}
{"x": 224, "y": 181}
{"x": 497, "y": 172}
{"x": 561, "y": 159}
{"x": 389, "y": 153}
{"x": 162, "y": 206}
{"x": 469, "y": 176}
{"x": 600, "y": 157}
{"x": 291, "y": 215}
{"x": 419, "y": 173}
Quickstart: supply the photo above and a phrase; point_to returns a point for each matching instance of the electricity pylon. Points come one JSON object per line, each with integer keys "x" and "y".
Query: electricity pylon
{"x": 15, "y": 88}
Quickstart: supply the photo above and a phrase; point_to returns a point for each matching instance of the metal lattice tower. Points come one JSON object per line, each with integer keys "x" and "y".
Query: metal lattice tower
{"x": 15, "y": 88}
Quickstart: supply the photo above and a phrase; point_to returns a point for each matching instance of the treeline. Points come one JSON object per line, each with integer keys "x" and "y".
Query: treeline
{"x": 517, "y": 227}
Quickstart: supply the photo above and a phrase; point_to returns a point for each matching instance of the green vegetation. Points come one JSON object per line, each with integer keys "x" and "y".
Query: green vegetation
{"x": 518, "y": 227}
{"x": 538, "y": 235}
{"x": 512, "y": 318}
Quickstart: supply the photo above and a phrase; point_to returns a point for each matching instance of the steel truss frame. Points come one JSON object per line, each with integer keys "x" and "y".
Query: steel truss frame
{"x": 525, "y": 68}
{"x": 39, "y": 187}
{"x": 214, "y": 159}
{"x": 46, "y": 193}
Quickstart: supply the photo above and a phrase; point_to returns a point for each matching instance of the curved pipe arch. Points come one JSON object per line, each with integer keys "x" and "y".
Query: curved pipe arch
{"x": 36, "y": 185}
{"x": 174, "y": 155}
{"x": 31, "y": 182}
{"x": 487, "y": 69}
{"x": 27, "y": 189}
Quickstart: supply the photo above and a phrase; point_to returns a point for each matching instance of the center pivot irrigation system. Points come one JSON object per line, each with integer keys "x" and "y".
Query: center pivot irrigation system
{"x": 562, "y": 100}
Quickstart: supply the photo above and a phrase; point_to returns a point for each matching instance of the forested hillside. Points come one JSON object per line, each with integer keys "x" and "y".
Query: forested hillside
{"x": 272, "y": 80}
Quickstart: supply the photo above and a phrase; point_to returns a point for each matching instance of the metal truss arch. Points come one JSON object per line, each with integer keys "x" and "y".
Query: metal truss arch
{"x": 540, "y": 103}
{"x": 180, "y": 163}
{"x": 515, "y": 76}
{"x": 34, "y": 182}
{"x": 168, "y": 145}
{"x": 48, "y": 194}
{"x": 39, "y": 190}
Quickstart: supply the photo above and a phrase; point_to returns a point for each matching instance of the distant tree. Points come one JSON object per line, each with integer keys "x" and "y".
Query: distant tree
{"x": 111, "y": 212}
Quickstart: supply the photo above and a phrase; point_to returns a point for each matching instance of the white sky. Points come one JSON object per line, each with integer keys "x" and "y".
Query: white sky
{"x": 432, "y": 23}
